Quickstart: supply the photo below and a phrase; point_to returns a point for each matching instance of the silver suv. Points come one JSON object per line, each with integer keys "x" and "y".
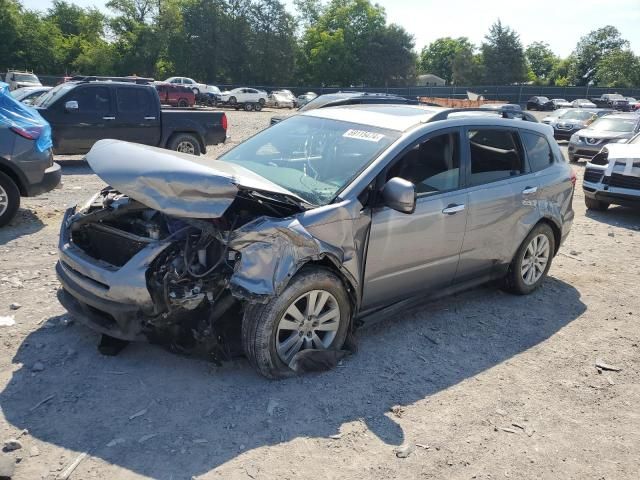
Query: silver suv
{"x": 318, "y": 220}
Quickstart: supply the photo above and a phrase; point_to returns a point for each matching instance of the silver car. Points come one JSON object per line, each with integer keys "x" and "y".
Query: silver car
{"x": 312, "y": 223}
{"x": 612, "y": 128}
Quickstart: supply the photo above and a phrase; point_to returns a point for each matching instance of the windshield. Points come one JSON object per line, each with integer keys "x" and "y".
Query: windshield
{"x": 577, "y": 115}
{"x": 315, "y": 158}
{"x": 558, "y": 100}
{"x": 52, "y": 95}
{"x": 615, "y": 96}
{"x": 543, "y": 99}
{"x": 614, "y": 125}
{"x": 21, "y": 77}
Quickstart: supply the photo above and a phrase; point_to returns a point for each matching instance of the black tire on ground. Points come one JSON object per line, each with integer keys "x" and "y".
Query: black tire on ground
{"x": 9, "y": 199}
{"x": 276, "y": 105}
{"x": 572, "y": 158}
{"x": 248, "y": 107}
{"x": 514, "y": 282}
{"x": 183, "y": 103}
{"x": 260, "y": 321}
{"x": 185, "y": 143}
{"x": 258, "y": 106}
{"x": 261, "y": 101}
{"x": 233, "y": 100}
{"x": 593, "y": 204}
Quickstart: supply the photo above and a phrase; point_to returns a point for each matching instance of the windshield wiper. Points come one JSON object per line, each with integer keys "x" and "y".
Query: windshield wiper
{"x": 280, "y": 197}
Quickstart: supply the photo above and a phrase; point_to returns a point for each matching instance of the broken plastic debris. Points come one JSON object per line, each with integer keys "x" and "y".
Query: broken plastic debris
{"x": 7, "y": 321}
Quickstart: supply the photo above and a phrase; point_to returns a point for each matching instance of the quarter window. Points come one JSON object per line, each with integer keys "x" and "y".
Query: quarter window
{"x": 432, "y": 166}
{"x": 495, "y": 155}
{"x": 538, "y": 151}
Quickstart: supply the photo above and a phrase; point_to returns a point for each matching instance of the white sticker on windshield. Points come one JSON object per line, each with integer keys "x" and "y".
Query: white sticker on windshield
{"x": 363, "y": 135}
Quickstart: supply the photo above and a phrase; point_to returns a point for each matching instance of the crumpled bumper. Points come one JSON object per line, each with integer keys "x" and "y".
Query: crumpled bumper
{"x": 110, "y": 300}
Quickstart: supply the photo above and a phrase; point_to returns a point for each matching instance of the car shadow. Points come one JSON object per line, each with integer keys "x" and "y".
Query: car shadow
{"x": 166, "y": 416}
{"x": 617, "y": 216}
{"x": 25, "y": 222}
{"x": 74, "y": 166}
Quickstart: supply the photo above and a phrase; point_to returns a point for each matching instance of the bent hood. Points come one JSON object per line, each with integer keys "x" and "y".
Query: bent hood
{"x": 174, "y": 183}
{"x": 600, "y": 134}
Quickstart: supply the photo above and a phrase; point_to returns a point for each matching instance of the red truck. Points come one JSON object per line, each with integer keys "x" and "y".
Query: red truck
{"x": 175, "y": 95}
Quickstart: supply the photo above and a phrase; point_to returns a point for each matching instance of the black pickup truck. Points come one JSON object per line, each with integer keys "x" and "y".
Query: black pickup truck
{"x": 85, "y": 111}
{"x": 612, "y": 100}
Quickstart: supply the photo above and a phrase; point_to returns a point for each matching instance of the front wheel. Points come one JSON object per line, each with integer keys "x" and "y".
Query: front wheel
{"x": 232, "y": 100}
{"x": 593, "y": 204}
{"x": 532, "y": 261}
{"x": 261, "y": 101}
{"x": 313, "y": 312}
{"x": 258, "y": 106}
{"x": 248, "y": 107}
{"x": 183, "y": 103}
{"x": 185, "y": 143}
{"x": 9, "y": 199}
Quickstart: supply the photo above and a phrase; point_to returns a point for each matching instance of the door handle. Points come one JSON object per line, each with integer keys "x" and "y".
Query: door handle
{"x": 149, "y": 118}
{"x": 108, "y": 118}
{"x": 529, "y": 190}
{"x": 453, "y": 209}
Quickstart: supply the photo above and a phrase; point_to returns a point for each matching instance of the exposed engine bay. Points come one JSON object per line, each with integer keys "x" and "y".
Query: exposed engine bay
{"x": 188, "y": 281}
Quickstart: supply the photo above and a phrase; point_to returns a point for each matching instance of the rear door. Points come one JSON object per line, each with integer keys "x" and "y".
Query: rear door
{"x": 137, "y": 118}
{"x": 77, "y": 130}
{"x": 502, "y": 200}
{"x": 419, "y": 252}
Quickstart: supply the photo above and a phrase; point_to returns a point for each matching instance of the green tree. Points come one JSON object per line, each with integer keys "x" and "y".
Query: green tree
{"x": 467, "y": 68}
{"x": 438, "y": 57}
{"x": 10, "y": 26}
{"x": 592, "y": 48}
{"x": 503, "y": 56}
{"x": 618, "y": 68}
{"x": 541, "y": 60}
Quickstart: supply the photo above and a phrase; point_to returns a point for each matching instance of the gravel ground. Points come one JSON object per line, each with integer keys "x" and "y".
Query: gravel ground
{"x": 481, "y": 385}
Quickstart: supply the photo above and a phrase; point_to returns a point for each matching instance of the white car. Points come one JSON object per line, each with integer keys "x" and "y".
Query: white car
{"x": 28, "y": 95}
{"x": 244, "y": 95}
{"x": 188, "y": 82}
{"x": 583, "y": 103}
{"x": 17, "y": 79}
{"x": 280, "y": 99}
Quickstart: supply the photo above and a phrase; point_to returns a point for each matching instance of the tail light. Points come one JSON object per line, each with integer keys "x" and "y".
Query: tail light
{"x": 573, "y": 177}
{"x": 30, "y": 133}
{"x": 224, "y": 121}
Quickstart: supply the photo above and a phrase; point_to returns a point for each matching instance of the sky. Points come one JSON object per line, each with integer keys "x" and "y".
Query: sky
{"x": 560, "y": 23}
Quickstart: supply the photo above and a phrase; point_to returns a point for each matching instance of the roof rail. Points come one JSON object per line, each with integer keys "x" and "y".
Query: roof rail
{"x": 97, "y": 78}
{"x": 444, "y": 114}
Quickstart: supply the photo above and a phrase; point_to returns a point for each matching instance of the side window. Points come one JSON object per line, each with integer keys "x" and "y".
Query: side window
{"x": 538, "y": 151}
{"x": 92, "y": 99}
{"x": 432, "y": 166}
{"x": 496, "y": 154}
{"x": 132, "y": 100}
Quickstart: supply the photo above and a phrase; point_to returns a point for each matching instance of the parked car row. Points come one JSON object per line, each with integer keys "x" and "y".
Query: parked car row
{"x": 613, "y": 101}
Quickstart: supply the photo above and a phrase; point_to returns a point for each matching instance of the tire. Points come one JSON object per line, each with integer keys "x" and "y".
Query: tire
{"x": 9, "y": 199}
{"x": 183, "y": 103}
{"x": 276, "y": 105}
{"x": 593, "y": 204}
{"x": 572, "y": 158}
{"x": 196, "y": 91}
{"x": 185, "y": 143}
{"x": 519, "y": 280}
{"x": 248, "y": 107}
{"x": 233, "y": 100}
{"x": 257, "y": 107}
{"x": 261, "y": 101}
{"x": 260, "y": 324}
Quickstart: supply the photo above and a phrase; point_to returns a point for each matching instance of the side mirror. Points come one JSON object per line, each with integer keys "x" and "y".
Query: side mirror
{"x": 400, "y": 195}
{"x": 71, "y": 106}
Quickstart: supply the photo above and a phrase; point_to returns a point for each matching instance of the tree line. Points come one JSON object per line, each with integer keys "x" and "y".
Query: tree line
{"x": 330, "y": 43}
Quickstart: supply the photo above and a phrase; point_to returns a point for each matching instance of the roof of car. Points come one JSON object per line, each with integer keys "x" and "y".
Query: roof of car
{"x": 404, "y": 117}
{"x": 625, "y": 116}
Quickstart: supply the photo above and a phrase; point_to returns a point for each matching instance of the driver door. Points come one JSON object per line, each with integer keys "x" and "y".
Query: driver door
{"x": 419, "y": 252}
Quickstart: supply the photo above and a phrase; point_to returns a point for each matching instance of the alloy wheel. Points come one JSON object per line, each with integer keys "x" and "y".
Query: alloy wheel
{"x": 535, "y": 260}
{"x": 310, "y": 321}
{"x": 185, "y": 147}
{"x": 4, "y": 200}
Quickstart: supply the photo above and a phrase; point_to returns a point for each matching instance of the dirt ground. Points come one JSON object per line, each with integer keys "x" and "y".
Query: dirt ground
{"x": 483, "y": 385}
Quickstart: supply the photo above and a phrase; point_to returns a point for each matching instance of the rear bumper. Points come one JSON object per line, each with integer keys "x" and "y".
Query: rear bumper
{"x": 50, "y": 180}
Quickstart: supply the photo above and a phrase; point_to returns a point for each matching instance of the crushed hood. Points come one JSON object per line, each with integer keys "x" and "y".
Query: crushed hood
{"x": 174, "y": 183}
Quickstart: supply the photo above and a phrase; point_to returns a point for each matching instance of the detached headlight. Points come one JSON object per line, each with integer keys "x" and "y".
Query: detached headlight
{"x": 574, "y": 138}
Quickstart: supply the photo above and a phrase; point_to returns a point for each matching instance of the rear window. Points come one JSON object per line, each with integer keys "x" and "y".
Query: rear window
{"x": 538, "y": 151}
{"x": 133, "y": 100}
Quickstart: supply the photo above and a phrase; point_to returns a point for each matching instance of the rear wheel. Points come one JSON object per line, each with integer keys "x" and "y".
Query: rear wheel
{"x": 532, "y": 261}
{"x": 183, "y": 103}
{"x": 258, "y": 106}
{"x": 9, "y": 199}
{"x": 261, "y": 101}
{"x": 248, "y": 107}
{"x": 185, "y": 143}
{"x": 196, "y": 91}
{"x": 233, "y": 100}
{"x": 313, "y": 312}
{"x": 593, "y": 204}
